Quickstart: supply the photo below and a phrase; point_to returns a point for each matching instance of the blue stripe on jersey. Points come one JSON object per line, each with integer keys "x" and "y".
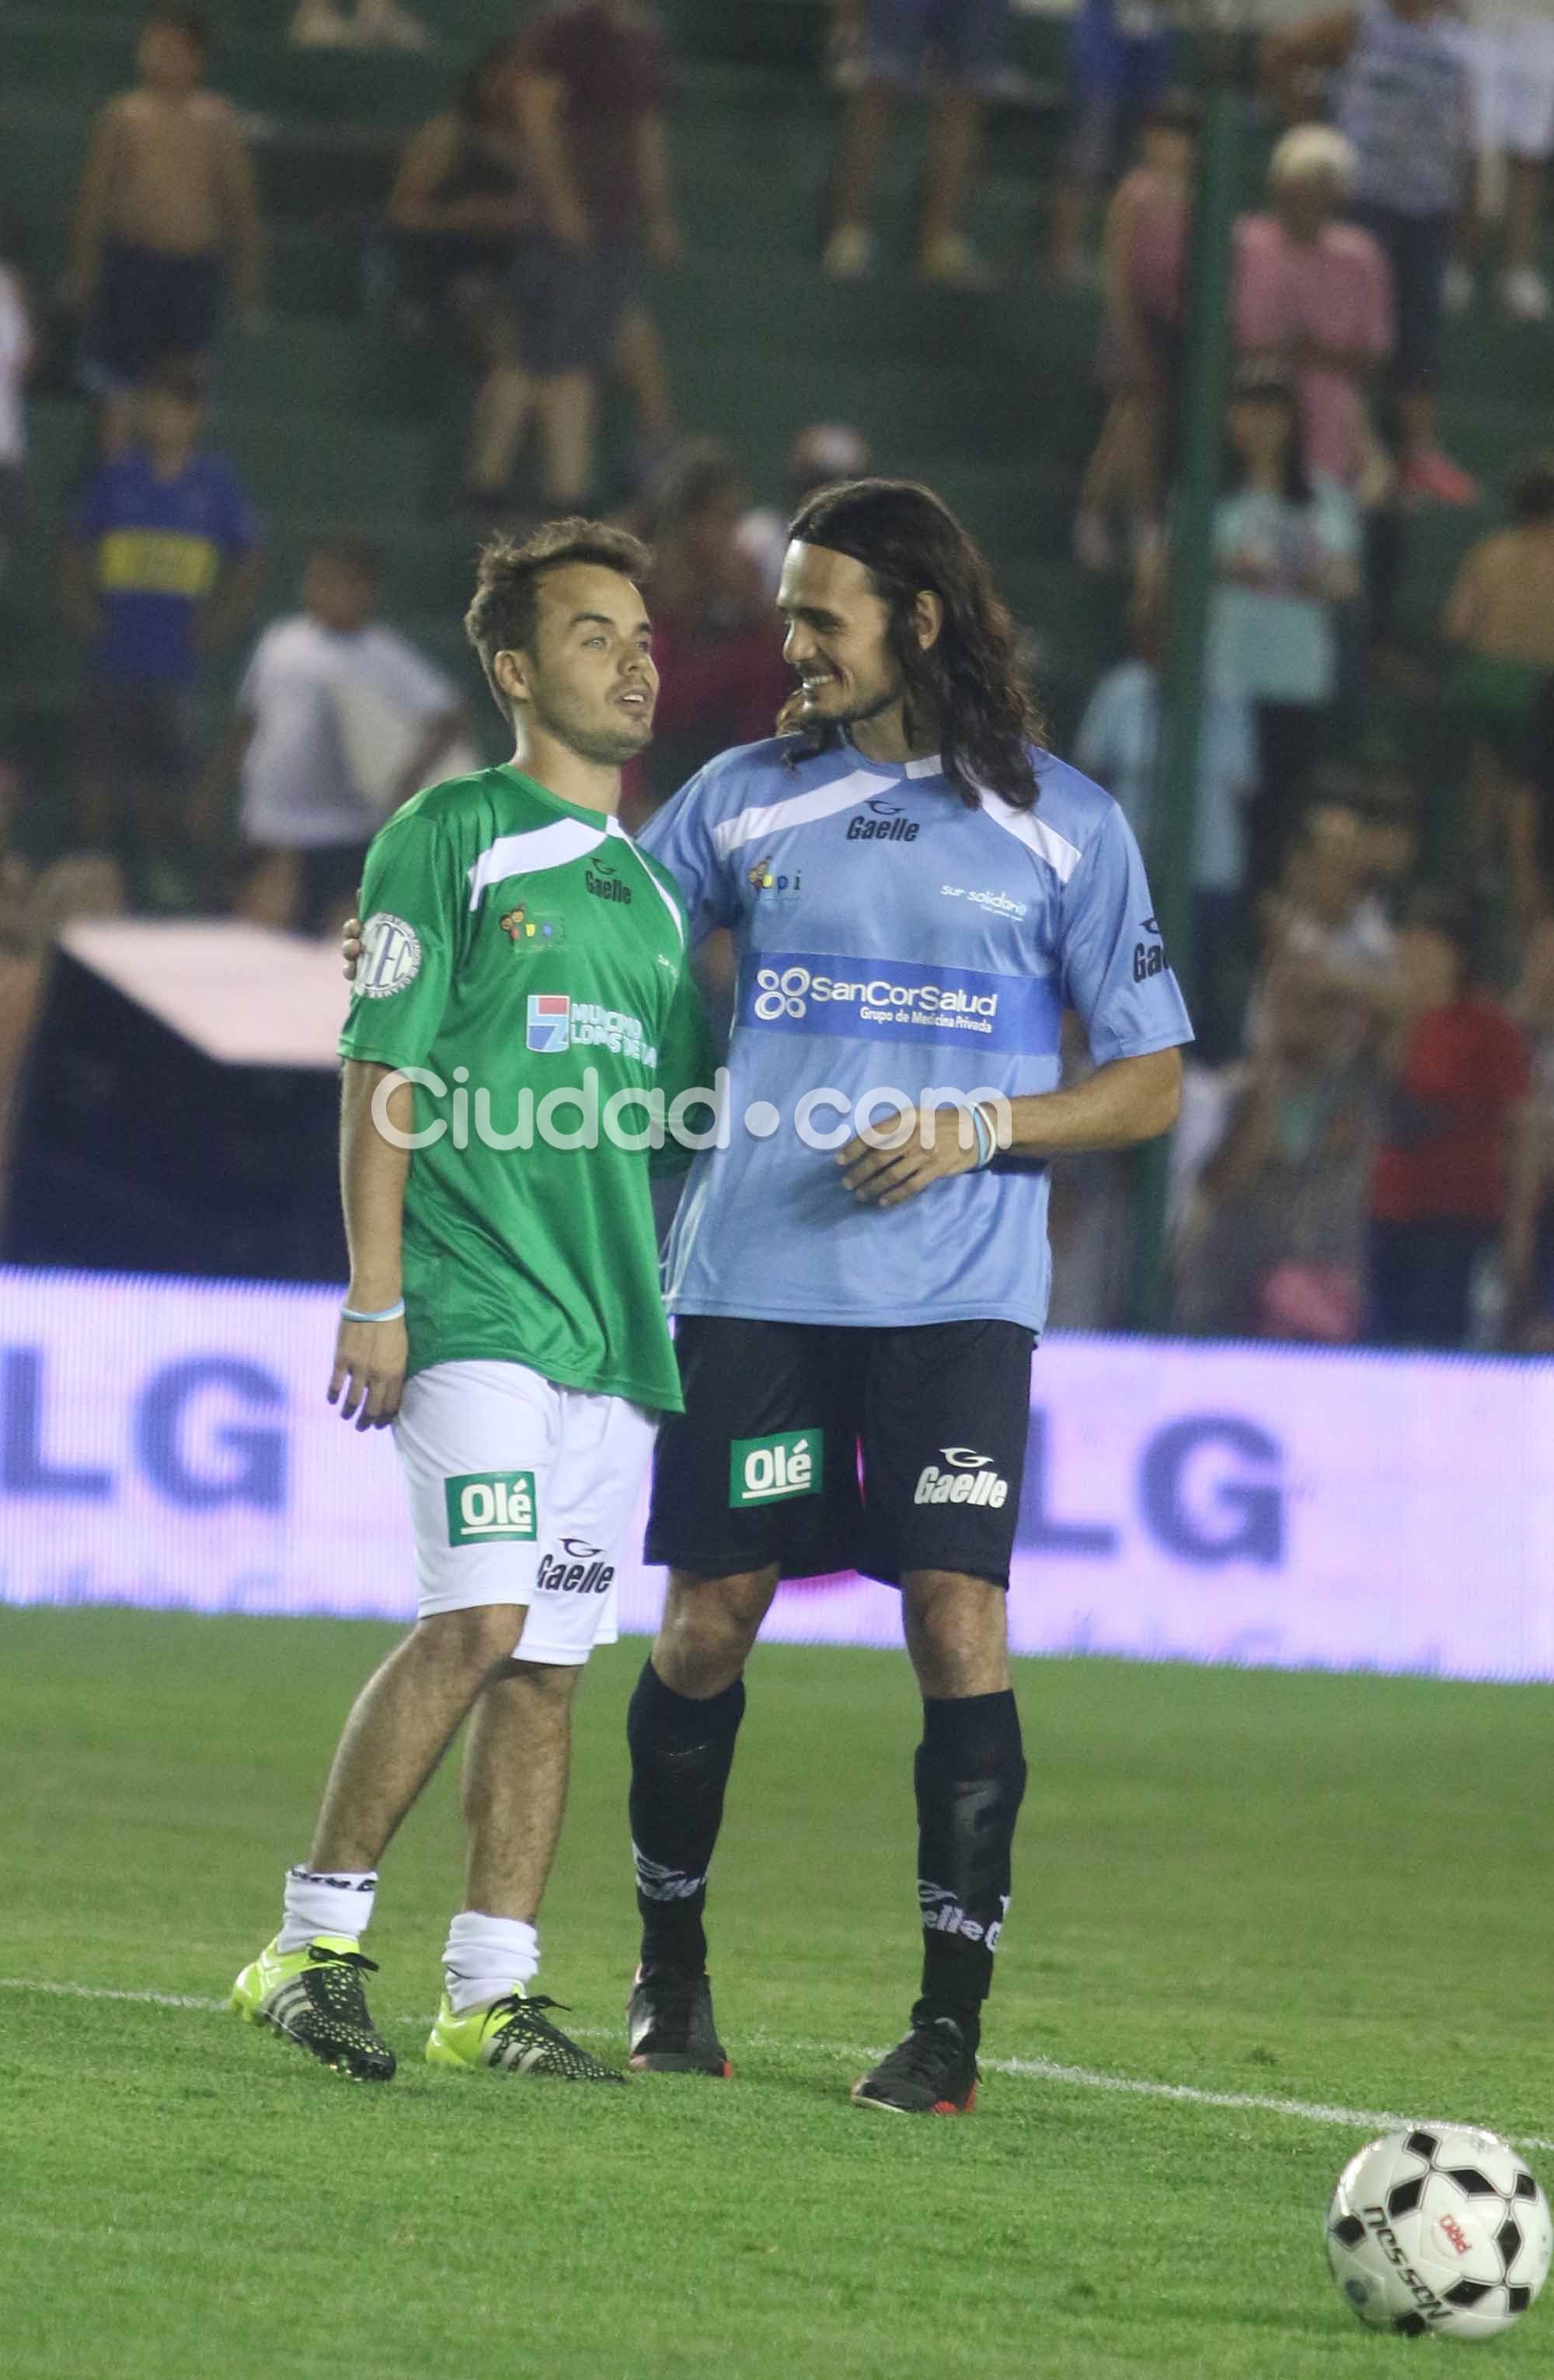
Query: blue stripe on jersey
{"x": 817, "y": 992}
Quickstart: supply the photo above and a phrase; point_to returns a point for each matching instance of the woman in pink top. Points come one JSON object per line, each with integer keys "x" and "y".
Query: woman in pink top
{"x": 1145, "y": 271}
{"x": 1314, "y": 295}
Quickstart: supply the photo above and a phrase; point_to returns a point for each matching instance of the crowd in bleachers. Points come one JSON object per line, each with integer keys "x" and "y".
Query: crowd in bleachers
{"x": 1367, "y": 1148}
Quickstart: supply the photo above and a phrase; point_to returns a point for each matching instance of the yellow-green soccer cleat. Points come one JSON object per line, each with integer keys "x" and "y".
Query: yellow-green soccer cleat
{"x": 512, "y": 2036}
{"x": 315, "y": 1996}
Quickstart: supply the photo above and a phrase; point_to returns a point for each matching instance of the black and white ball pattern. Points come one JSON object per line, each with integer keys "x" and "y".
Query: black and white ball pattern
{"x": 1439, "y": 2228}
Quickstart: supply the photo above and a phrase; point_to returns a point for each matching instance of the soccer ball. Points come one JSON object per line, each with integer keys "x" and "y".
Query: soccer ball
{"x": 1440, "y": 2230}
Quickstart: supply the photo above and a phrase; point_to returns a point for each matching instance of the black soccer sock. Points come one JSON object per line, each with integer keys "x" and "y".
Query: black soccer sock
{"x": 971, "y": 1781}
{"x": 682, "y": 1753}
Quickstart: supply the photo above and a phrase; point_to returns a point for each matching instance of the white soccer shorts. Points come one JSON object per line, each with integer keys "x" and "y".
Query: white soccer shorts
{"x": 522, "y": 1492}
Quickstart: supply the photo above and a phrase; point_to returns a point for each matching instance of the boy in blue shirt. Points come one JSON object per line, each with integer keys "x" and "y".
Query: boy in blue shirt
{"x": 160, "y": 566}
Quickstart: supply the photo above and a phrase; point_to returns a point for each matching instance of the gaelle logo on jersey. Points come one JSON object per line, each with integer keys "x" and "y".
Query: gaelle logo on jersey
{"x": 971, "y": 1479}
{"x": 882, "y": 822}
{"x": 1149, "y": 958}
{"x": 600, "y": 878}
{"x": 390, "y": 956}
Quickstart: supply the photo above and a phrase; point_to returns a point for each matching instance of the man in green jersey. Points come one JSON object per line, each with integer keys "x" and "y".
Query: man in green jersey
{"x": 521, "y": 1021}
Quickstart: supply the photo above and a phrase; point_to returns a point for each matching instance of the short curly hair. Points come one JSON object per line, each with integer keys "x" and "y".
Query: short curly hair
{"x": 505, "y": 613}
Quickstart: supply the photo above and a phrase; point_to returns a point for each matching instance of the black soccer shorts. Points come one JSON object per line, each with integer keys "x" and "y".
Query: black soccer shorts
{"x": 821, "y": 1447}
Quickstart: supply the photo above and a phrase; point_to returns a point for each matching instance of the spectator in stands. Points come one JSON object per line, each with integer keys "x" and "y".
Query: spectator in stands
{"x": 1500, "y": 616}
{"x": 1120, "y": 59}
{"x": 1529, "y": 1232}
{"x": 1509, "y": 51}
{"x": 17, "y": 349}
{"x": 1117, "y": 744}
{"x": 167, "y": 202}
{"x": 459, "y": 201}
{"x": 826, "y": 450}
{"x": 339, "y": 721}
{"x": 968, "y": 41}
{"x": 369, "y": 25}
{"x": 1325, "y": 918}
{"x": 592, "y": 83}
{"x": 1274, "y": 1244}
{"x": 34, "y": 904}
{"x": 722, "y": 679}
{"x": 1460, "y": 1077}
{"x": 1143, "y": 268}
{"x": 1313, "y": 295}
{"x": 1285, "y": 548}
{"x": 159, "y": 567}
{"x": 1401, "y": 102}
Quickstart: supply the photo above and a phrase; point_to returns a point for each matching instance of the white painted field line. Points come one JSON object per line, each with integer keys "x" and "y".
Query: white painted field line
{"x": 101, "y": 1992}
{"x": 1033, "y": 2069}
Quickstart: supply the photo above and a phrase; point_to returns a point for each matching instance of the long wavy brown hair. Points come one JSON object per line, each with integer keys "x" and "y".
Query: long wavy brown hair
{"x": 965, "y": 688}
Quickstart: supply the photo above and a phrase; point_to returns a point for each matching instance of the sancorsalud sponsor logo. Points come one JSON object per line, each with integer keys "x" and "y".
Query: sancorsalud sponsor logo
{"x": 968, "y": 1480}
{"x": 764, "y": 1469}
{"x": 814, "y": 991}
{"x": 485, "y": 1505}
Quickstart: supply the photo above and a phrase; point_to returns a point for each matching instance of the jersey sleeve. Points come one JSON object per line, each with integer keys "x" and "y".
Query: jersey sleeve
{"x": 411, "y": 903}
{"x": 687, "y": 1062}
{"x": 681, "y": 838}
{"x": 1112, "y": 959}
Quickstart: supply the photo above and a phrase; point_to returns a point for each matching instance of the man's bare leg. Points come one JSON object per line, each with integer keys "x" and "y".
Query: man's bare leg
{"x": 401, "y": 1724}
{"x": 518, "y": 1757}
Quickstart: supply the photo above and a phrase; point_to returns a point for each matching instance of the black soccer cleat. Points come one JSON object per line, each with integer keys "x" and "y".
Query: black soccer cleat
{"x": 932, "y": 2072}
{"x": 670, "y": 2025}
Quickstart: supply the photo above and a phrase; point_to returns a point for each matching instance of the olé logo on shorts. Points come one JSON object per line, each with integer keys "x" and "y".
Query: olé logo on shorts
{"x": 764, "y": 1469}
{"x": 482, "y": 1505}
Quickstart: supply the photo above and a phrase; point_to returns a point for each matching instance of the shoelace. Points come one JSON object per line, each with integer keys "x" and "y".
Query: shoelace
{"x": 519, "y": 2004}
{"x": 357, "y": 1959}
{"x": 918, "y": 2056}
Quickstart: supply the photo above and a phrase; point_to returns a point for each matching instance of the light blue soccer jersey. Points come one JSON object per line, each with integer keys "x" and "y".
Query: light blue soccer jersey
{"x": 890, "y": 937}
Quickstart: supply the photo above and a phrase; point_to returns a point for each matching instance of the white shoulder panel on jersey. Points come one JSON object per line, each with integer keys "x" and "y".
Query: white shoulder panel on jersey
{"x": 537, "y": 848}
{"x": 802, "y": 809}
{"x": 1061, "y": 856}
{"x": 613, "y": 826}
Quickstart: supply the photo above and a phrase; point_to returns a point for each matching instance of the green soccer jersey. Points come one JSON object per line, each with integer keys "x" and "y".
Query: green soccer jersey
{"x": 516, "y": 947}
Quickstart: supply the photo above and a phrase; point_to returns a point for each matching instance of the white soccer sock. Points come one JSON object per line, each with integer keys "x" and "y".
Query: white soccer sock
{"x": 485, "y": 1957}
{"x": 338, "y": 1904}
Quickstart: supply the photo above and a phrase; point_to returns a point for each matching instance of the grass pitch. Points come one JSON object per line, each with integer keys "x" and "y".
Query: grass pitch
{"x": 1325, "y": 1890}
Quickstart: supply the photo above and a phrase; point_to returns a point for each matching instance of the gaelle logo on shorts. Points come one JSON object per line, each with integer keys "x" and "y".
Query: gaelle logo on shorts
{"x": 579, "y": 1574}
{"x": 764, "y": 1469}
{"x": 487, "y": 1505}
{"x": 971, "y": 1479}
{"x": 390, "y": 956}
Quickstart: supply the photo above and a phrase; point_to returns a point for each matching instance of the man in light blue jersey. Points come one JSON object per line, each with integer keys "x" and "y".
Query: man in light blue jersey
{"x": 916, "y": 891}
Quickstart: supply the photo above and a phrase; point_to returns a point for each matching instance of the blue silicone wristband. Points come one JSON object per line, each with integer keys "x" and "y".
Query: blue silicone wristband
{"x": 390, "y": 1314}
